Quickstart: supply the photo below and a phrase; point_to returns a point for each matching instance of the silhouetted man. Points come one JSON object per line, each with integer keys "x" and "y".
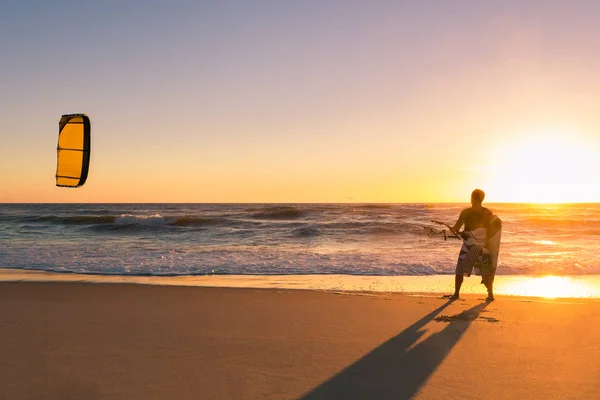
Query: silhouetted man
{"x": 473, "y": 252}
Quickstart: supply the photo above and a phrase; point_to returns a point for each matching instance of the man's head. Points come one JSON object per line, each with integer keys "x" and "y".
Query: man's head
{"x": 477, "y": 196}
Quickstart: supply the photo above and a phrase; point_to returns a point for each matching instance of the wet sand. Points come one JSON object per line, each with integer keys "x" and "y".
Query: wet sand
{"x": 124, "y": 341}
{"x": 574, "y": 286}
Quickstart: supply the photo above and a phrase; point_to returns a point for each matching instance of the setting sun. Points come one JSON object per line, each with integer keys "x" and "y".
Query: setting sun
{"x": 546, "y": 168}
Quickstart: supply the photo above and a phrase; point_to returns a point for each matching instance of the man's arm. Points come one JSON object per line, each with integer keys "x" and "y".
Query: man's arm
{"x": 459, "y": 223}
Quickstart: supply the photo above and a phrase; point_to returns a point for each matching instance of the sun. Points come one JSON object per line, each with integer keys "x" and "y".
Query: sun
{"x": 545, "y": 168}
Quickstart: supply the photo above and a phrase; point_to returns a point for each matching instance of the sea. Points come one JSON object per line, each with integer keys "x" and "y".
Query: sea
{"x": 287, "y": 239}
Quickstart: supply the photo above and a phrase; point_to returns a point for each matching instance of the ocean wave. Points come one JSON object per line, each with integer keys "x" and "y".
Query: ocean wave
{"x": 104, "y": 211}
{"x": 122, "y": 220}
{"x": 125, "y": 228}
{"x": 149, "y": 220}
{"x": 196, "y": 221}
{"x": 72, "y": 220}
{"x": 279, "y": 213}
{"x": 397, "y": 228}
{"x": 157, "y": 220}
{"x": 563, "y": 223}
{"x": 385, "y": 230}
{"x": 306, "y": 231}
{"x": 375, "y": 227}
{"x": 372, "y": 206}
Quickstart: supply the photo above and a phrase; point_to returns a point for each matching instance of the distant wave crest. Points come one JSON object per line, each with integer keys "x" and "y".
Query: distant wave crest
{"x": 150, "y": 220}
{"x": 279, "y": 213}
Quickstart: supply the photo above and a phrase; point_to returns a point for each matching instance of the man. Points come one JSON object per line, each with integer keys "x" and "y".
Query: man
{"x": 474, "y": 253}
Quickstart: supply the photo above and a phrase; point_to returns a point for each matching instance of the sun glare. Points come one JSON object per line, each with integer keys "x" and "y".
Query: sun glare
{"x": 548, "y": 287}
{"x": 546, "y": 168}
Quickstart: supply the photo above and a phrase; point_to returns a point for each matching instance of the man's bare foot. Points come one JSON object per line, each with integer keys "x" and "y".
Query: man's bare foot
{"x": 490, "y": 298}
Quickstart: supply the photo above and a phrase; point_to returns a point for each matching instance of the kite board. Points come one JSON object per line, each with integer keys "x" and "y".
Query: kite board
{"x": 493, "y": 243}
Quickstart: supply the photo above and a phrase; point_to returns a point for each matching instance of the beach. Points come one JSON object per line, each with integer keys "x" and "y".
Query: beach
{"x": 124, "y": 341}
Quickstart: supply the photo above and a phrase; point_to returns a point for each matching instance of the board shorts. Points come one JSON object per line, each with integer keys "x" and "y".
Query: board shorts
{"x": 473, "y": 254}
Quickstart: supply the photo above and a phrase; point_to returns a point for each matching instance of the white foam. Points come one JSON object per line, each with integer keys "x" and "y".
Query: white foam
{"x": 150, "y": 220}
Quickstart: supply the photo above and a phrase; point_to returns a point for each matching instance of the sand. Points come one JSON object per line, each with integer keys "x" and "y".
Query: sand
{"x": 125, "y": 341}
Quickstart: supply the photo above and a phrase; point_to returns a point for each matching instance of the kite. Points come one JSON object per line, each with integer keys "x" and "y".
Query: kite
{"x": 73, "y": 151}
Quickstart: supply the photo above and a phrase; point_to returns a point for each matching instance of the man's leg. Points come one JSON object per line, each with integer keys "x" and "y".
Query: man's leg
{"x": 458, "y": 280}
{"x": 488, "y": 281}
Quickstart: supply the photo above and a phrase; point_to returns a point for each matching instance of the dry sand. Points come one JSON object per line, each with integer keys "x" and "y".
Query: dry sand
{"x": 124, "y": 341}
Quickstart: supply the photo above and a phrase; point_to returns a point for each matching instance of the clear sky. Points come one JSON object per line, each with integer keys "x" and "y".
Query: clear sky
{"x": 304, "y": 101}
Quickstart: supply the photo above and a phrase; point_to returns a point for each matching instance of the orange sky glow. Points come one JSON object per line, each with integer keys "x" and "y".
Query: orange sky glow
{"x": 297, "y": 103}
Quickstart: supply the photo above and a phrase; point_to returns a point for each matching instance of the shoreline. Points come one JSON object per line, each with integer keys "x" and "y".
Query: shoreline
{"x": 526, "y": 286}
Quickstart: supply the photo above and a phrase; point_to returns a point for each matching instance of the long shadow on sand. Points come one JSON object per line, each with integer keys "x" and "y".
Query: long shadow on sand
{"x": 395, "y": 370}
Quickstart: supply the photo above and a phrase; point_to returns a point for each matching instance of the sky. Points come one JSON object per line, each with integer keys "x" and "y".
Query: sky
{"x": 304, "y": 101}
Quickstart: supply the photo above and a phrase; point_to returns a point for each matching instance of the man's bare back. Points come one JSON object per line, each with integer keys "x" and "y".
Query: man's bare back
{"x": 473, "y": 218}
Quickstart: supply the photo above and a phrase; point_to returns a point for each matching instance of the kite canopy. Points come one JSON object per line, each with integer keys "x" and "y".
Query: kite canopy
{"x": 73, "y": 151}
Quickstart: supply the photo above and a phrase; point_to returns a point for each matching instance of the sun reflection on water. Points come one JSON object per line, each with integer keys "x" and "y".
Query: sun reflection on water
{"x": 548, "y": 287}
